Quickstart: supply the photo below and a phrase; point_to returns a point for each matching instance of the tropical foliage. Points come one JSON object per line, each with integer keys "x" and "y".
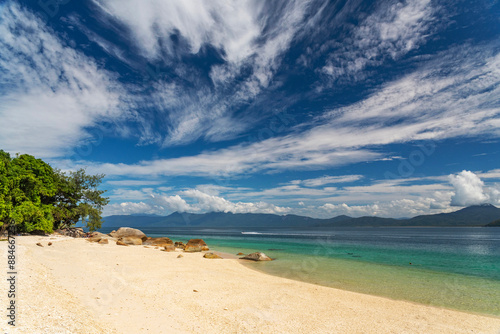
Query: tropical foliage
{"x": 34, "y": 196}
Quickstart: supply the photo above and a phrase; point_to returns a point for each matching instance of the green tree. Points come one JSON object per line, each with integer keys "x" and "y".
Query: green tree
{"x": 5, "y": 199}
{"x": 33, "y": 196}
{"x": 78, "y": 198}
{"x": 27, "y": 186}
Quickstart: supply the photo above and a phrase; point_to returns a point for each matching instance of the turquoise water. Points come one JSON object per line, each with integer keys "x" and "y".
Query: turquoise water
{"x": 457, "y": 268}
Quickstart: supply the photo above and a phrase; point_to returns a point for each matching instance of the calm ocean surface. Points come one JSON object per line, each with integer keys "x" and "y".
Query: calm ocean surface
{"x": 457, "y": 268}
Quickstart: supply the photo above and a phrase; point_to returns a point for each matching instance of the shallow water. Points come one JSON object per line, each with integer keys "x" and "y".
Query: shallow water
{"x": 457, "y": 268}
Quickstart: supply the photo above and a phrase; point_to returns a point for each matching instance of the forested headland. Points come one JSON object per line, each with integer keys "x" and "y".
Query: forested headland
{"x": 36, "y": 197}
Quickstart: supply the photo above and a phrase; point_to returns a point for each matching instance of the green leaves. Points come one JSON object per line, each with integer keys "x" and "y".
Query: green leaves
{"x": 78, "y": 197}
{"x": 34, "y": 196}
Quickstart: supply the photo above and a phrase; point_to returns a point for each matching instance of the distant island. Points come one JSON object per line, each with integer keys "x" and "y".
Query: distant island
{"x": 477, "y": 215}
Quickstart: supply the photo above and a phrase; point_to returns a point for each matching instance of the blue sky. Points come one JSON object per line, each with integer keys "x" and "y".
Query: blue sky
{"x": 387, "y": 108}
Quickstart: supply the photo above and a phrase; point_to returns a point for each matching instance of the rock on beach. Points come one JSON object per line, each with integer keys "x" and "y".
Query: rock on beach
{"x": 257, "y": 256}
{"x": 162, "y": 242}
{"x": 124, "y": 232}
{"x": 196, "y": 245}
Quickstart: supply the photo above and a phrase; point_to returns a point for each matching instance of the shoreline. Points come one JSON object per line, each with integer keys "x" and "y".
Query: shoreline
{"x": 143, "y": 290}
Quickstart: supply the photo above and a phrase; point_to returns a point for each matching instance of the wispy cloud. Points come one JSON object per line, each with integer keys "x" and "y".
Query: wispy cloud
{"x": 122, "y": 183}
{"x": 50, "y": 94}
{"x": 228, "y": 25}
{"x": 423, "y": 105}
{"x": 392, "y": 31}
{"x": 249, "y": 37}
{"x": 327, "y": 179}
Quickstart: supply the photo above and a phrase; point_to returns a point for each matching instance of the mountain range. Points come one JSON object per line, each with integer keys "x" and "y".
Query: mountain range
{"x": 477, "y": 215}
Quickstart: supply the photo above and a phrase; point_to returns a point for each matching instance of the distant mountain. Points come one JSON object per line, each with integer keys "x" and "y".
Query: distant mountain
{"x": 477, "y": 215}
{"x": 217, "y": 220}
{"x": 496, "y": 223}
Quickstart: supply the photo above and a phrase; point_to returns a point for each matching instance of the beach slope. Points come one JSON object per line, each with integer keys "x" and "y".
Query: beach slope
{"x": 74, "y": 286}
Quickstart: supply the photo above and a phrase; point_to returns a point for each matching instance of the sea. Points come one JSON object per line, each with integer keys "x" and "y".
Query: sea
{"x": 456, "y": 268}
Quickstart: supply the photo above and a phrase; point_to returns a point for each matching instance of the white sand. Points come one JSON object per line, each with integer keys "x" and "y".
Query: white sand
{"x": 75, "y": 286}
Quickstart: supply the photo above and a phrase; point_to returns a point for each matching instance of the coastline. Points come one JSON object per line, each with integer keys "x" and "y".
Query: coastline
{"x": 142, "y": 290}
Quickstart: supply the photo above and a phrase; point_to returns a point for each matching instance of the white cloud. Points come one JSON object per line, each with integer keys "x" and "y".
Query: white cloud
{"x": 128, "y": 194}
{"x": 392, "y": 31}
{"x": 50, "y": 93}
{"x": 321, "y": 181}
{"x": 424, "y": 99}
{"x": 249, "y": 34}
{"x": 401, "y": 208}
{"x": 278, "y": 155}
{"x": 199, "y": 202}
{"x": 471, "y": 190}
{"x": 133, "y": 183}
{"x": 229, "y": 25}
{"x": 173, "y": 203}
{"x": 130, "y": 208}
{"x": 385, "y": 198}
{"x": 492, "y": 174}
{"x": 420, "y": 106}
{"x": 208, "y": 203}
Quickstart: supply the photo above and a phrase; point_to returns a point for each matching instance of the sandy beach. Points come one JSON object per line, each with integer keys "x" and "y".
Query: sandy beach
{"x": 74, "y": 286}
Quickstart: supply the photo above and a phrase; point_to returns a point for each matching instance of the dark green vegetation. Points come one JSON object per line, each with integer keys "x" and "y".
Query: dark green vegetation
{"x": 478, "y": 215}
{"x": 34, "y": 196}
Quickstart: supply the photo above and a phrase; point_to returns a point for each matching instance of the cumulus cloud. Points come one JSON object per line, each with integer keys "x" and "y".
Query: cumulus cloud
{"x": 208, "y": 203}
{"x": 471, "y": 190}
{"x": 173, "y": 203}
{"x": 130, "y": 208}
{"x": 198, "y": 202}
{"x": 401, "y": 208}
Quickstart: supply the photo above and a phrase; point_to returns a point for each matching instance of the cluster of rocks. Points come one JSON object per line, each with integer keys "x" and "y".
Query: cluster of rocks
{"x": 126, "y": 236}
{"x": 75, "y": 232}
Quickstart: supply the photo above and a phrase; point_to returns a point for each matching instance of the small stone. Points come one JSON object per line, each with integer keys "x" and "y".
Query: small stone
{"x": 225, "y": 308}
{"x": 39, "y": 244}
{"x": 195, "y": 290}
{"x": 169, "y": 248}
{"x": 240, "y": 253}
{"x": 179, "y": 256}
{"x": 121, "y": 243}
{"x": 179, "y": 244}
{"x": 50, "y": 243}
{"x": 211, "y": 256}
